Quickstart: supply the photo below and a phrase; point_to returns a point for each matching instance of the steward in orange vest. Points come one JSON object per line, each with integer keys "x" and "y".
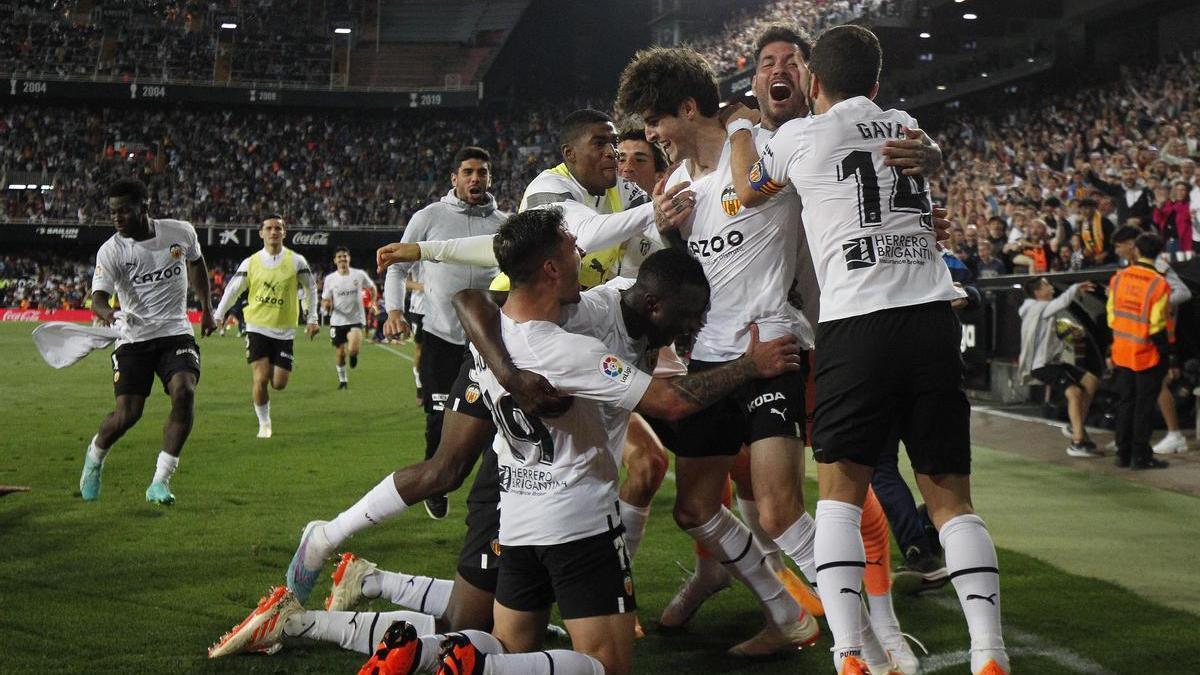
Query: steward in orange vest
{"x": 1137, "y": 313}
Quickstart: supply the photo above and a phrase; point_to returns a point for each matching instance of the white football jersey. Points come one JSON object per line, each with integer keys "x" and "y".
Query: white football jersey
{"x": 150, "y": 278}
{"x": 416, "y": 299}
{"x": 558, "y": 477}
{"x": 749, "y": 257}
{"x": 345, "y": 291}
{"x": 868, "y": 226}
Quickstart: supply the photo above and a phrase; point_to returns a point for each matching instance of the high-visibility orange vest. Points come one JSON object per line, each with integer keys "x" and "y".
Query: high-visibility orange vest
{"x": 1134, "y": 291}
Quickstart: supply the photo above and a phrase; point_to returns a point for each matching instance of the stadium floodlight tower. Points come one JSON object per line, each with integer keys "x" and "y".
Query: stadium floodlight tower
{"x": 225, "y": 24}
{"x": 340, "y": 28}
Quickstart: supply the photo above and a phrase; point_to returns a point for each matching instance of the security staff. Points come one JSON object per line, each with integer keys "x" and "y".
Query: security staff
{"x": 1137, "y": 313}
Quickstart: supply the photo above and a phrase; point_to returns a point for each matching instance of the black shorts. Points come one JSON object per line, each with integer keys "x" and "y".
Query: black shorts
{"x": 665, "y": 431}
{"x": 416, "y": 323}
{"x": 1060, "y": 376}
{"x": 260, "y": 346}
{"x": 587, "y": 577}
{"x": 340, "y": 335}
{"x": 893, "y": 369}
{"x": 135, "y": 364}
{"x": 465, "y": 395}
{"x": 761, "y": 409}
{"x": 478, "y": 562}
{"x": 438, "y": 366}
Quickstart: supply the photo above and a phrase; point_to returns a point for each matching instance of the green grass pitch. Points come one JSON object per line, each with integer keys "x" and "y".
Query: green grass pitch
{"x": 124, "y": 586}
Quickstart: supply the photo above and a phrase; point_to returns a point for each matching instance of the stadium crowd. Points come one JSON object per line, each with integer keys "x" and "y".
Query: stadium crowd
{"x": 321, "y": 170}
{"x": 1042, "y": 187}
{"x": 173, "y": 39}
{"x": 1020, "y": 184}
{"x": 732, "y": 48}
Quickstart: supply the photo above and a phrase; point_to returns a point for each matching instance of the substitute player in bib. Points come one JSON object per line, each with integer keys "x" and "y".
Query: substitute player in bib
{"x": 343, "y": 298}
{"x": 148, "y": 264}
{"x": 273, "y": 277}
{"x": 889, "y": 337}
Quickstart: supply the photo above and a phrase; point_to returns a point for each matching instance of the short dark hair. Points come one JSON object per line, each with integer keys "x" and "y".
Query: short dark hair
{"x": 847, "y": 60}
{"x": 1032, "y": 286}
{"x": 1148, "y": 244}
{"x": 782, "y": 32}
{"x": 576, "y": 124}
{"x": 662, "y": 272}
{"x": 1126, "y": 233}
{"x": 636, "y": 133}
{"x": 341, "y": 249}
{"x": 660, "y": 79}
{"x": 469, "y": 152}
{"x": 129, "y": 187}
{"x": 525, "y": 241}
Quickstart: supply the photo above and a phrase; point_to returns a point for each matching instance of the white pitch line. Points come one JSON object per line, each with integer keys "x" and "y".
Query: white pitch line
{"x": 1023, "y": 643}
{"x": 397, "y": 352}
{"x": 1030, "y": 418}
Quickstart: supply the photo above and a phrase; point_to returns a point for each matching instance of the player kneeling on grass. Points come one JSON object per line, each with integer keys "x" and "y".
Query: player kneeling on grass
{"x": 569, "y": 521}
{"x": 148, "y": 264}
{"x": 342, "y": 297}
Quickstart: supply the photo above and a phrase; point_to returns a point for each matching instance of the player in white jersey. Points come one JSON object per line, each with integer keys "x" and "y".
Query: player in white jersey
{"x": 275, "y": 278}
{"x": 887, "y": 332}
{"x": 748, "y": 255}
{"x": 560, "y": 531}
{"x": 343, "y": 299}
{"x": 148, "y": 264}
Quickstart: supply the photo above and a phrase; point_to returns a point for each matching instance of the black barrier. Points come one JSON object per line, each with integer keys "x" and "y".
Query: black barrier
{"x": 29, "y": 89}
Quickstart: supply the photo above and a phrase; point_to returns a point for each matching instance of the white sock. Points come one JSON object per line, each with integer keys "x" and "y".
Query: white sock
{"x": 729, "y": 540}
{"x": 841, "y": 560}
{"x": 553, "y": 662}
{"x": 873, "y": 651}
{"x": 748, "y": 509}
{"x": 341, "y": 371}
{"x": 797, "y": 543}
{"x": 416, "y": 377}
{"x": 356, "y": 631}
{"x": 424, "y": 594}
{"x": 1174, "y": 434}
{"x": 883, "y": 615}
{"x": 484, "y": 642}
{"x": 634, "y": 519}
{"x": 95, "y": 452}
{"x": 264, "y": 412}
{"x": 974, "y": 571}
{"x": 379, "y": 504}
{"x": 165, "y": 467}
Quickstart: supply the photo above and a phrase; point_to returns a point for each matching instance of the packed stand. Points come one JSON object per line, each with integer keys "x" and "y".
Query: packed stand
{"x": 1042, "y": 187}
{"x": 44, "y": 282}
{"x": 329, "y": 169}
{"x": 44, "y": 38}
{"x": 174, "y": 40}
{"x": 732, "y": 49}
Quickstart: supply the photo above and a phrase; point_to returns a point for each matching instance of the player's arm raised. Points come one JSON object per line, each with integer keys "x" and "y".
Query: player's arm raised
{"x": 480, "y": 318}
{"x": 750, "y": 181}
{"x": 675, "y": 398}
